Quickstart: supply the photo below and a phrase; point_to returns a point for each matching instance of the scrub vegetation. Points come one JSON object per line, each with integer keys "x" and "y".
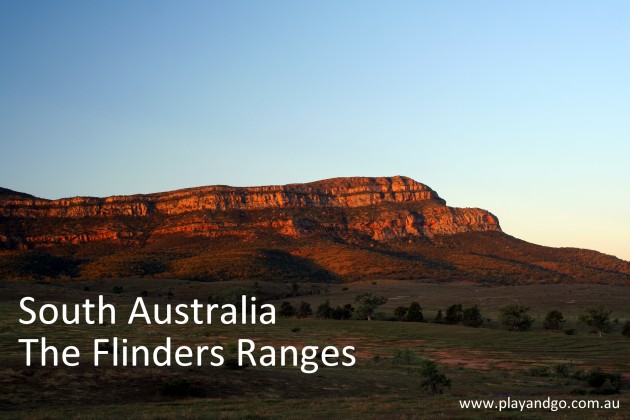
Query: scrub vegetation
{"x": 413, "y": 369}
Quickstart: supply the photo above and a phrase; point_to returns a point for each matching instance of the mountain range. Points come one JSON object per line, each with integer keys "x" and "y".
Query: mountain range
{"x": 340, "y": 229}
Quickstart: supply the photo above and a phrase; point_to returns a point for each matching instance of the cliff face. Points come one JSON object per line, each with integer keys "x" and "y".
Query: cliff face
{"x": 381, "y": 208}
{"x": 338, "y": 192}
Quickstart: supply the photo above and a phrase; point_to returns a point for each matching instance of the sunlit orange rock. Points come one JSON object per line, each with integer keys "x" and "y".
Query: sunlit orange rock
{"x": 394, "y": 207}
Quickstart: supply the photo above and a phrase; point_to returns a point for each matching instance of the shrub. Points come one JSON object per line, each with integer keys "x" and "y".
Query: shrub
{"x": 516, "y": 318}
{"x": 401, "y": 313}
{"x": 570, "y": 331}
{"x": 286, "y": 310}
{"x": 603, "y": 382}
{"x": 454, "y": 314}
{"x": 471, "y": 317}
{"x": 324, "y": 310}
{"x": 563, "y": 370}
{"x": 304, "y": 310}
{"x": 608, "y": 388}
{"x": 439, "y": 319}
{"x": 433, "y": 381}
{"x": 342, "y": 312}
{"x": 554, "y": 320}
{"x": 626, "y": 329}
{"x": 414, "y": 314}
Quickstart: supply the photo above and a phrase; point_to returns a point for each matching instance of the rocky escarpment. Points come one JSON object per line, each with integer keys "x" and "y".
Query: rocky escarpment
{"x": 380, "y": 208}
{"x": 338, "y": 192}
{"x": 340, "y": 229}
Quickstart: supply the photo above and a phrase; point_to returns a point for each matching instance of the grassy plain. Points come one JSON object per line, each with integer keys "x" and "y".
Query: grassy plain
{"x": 483, "y": 363}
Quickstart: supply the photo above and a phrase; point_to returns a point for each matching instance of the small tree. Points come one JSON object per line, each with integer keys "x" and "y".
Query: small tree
{"x": 433, "y": 381}
{"x": 454, "y": 314}
{"x": 343, "y": 312}
{"x": 554, "y": 320}
{"x": 286, "y": 310}
{"x": 472, "y": 317}
{"x": 324, "y": 310}
{"x": 304, "y": 310}
{"x": 516, "y": 318}
{"x": 415, "y": 313}
{"x": 401, "y": 313}
{"x": 597, "y": 318}
{"x": 368, "y": 304}
{"x": 626, "y": 329}
{"x": 439, "y": 319}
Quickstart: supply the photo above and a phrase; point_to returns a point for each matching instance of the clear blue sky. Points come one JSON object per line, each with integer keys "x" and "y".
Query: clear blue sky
{"x": 522, "y": 108}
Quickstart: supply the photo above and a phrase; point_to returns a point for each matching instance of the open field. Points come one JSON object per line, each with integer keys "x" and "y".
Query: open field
{"x": 488, "y": 362}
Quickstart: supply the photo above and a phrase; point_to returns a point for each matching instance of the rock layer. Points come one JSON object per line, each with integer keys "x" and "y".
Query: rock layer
{"x": 379, "y": 208}
{"x": 337, "y": 192}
